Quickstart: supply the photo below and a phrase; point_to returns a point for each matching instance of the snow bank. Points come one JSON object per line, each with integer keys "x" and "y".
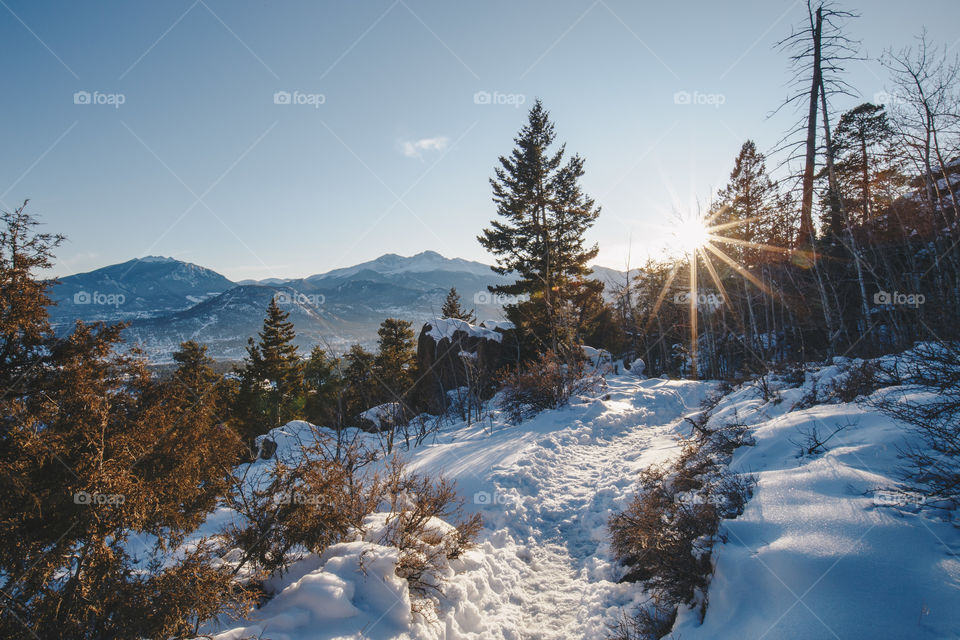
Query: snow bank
{"x": 355, "y": 587}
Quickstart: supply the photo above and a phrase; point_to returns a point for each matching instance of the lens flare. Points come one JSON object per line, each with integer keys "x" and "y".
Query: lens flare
{"x": 689, "y": 235}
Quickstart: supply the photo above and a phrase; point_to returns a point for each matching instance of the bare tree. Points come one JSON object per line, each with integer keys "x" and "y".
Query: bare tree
{"x": 926, "y": 114}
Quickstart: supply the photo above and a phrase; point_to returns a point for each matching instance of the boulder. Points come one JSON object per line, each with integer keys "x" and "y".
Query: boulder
{"x": 268, "y": 448}
{"x": 453, "y": 353}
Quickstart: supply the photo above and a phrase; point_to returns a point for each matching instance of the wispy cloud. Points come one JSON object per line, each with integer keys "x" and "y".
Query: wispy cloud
{"x": 416, "y": 148}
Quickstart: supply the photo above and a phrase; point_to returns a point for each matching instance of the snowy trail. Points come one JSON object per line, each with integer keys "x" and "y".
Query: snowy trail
{"x": 549, "y": 502}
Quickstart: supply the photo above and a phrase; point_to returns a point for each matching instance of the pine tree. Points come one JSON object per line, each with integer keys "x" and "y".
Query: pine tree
{"x": 24, "y": 325}
{"x": 278, "y": 353}
{"x": 324, "y": 386}
{"x": 544, "y": 215}
{"x": 360, "y": 385}
{"x": 195, "y": 386}
{"x": 751, "y": 209}
{"x": 753, "y": 215}
{"x": 453, "y": 308}
{"x": 395, "y": 361}
{"x": 271, "y": 387}
{"x": 862, "y": 142}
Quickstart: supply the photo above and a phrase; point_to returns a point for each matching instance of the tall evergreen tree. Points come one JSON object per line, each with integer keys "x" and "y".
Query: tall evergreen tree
{"x": 453, "y": 308}
{"x": 544, "y": 215}
{"x": 752, "y": 213}
{"x": 271, "y": 386}
{"x": 862, "y": 140}
{"x": 751, "y": 209}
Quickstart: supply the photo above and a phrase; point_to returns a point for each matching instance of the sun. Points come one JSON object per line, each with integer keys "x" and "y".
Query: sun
{"x": 689, "y": 234}
{"x": 695, "y": 242}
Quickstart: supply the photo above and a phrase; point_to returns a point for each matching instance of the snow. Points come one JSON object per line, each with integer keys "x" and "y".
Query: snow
{"x": 819, "y": 552}
{"x": 353, "y": 587}
{"x": 391, "y": 263}
{"x": 502, "y": 325}
{"x": 382, "y": 414}
{"x": 156, "y": 259}
{"x": 598, "y": 360}
{"x": 637, "y": 367}
{"x": 445, "y": 328}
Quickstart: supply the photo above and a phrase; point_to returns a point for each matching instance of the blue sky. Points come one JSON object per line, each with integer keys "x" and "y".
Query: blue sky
{"x": 388, "y": 138}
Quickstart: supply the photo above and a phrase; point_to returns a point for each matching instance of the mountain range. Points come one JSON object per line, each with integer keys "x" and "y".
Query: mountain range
{"x": 166, "y": 301}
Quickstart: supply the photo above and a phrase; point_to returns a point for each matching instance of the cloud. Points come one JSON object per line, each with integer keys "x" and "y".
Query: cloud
{"x": 415, "y": 149}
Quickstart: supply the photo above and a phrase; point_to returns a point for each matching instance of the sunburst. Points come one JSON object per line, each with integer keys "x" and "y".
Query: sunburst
{"x": 694, "y": 240}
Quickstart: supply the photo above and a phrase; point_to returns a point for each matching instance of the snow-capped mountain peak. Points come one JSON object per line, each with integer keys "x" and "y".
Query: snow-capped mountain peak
{"x": 391, "y": 264}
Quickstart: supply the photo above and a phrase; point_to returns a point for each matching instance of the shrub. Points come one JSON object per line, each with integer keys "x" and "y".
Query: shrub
{"x": 665, "y": 536}
{"x": 416, "y": 523}
{"x": 302, "y": 504}
{"x": 292, "y": 507}
{"x": 860, "y": 380}
{"x": 933, "y": 467}
{"x": 545, "y": 383}
{"x": 650, "y": 622}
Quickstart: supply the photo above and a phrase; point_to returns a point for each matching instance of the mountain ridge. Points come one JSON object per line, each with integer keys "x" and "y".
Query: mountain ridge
{"x": 166, "y": 301}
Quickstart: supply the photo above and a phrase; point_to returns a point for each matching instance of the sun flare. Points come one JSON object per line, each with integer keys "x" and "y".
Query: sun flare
{"x": 689, "y": 234}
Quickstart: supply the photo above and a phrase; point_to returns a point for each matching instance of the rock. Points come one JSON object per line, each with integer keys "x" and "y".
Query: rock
{"x": 268, "y": 448}
{"x": 637, "y": 367}
{"x": 454, "y": 353}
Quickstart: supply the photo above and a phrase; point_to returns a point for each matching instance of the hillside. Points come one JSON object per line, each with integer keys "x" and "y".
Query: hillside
{"x": 821, "y": 551}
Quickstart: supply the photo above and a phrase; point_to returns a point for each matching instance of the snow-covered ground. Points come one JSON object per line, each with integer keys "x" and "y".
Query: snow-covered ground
{"x": 818, "y": 553}
{"x": 824, "y": 549}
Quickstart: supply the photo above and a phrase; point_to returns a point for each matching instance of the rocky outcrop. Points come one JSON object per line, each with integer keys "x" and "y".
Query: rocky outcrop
{"x": 454, "y": 353}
